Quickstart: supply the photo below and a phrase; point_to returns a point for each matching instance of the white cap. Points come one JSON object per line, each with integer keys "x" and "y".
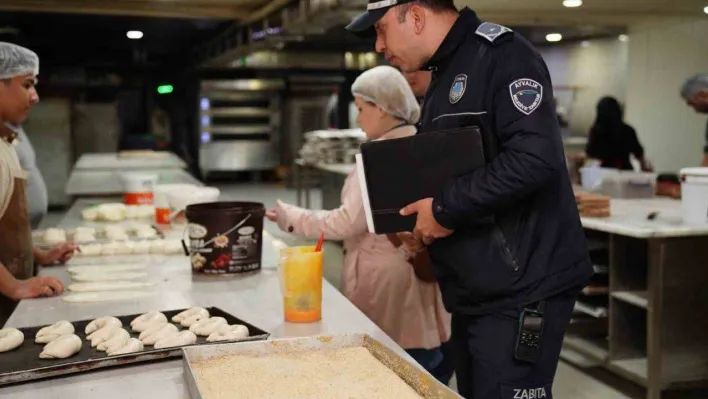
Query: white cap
{"x": 386, "y": 87}
{"x": 17, "y": 61}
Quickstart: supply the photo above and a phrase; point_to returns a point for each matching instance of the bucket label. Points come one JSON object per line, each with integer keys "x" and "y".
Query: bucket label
{"x": 197, "y": 231}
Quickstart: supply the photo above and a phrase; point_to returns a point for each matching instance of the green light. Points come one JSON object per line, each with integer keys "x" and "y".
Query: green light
{"x": 165, "y": 89}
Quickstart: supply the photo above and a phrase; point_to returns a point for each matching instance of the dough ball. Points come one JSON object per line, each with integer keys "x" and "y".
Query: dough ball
{"x": 84, "y": 237}
{"x": 146, "y": 211}
{"x": 173, "y": 247}
{"x": 111, "y": 212}
{"x": 90, "y": 250}
{"x": 117, "y": 235}
{"x": 131, "y": 212}
{"x": 109, "y": 248}
{"x": 10, "y": 338}
{"x": 90, "y": 214}
{"x": 62, "y": 347}
{"x": 85, "y": 230}
{"x": 124, "y": 247}
{"x": 54, "y": 236}
{"x": 146, "y": 233}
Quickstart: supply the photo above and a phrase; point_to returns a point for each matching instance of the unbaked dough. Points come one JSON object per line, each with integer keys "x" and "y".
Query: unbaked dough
{"x": 117, "y": 276}
{"x": 108, "y": 268}
{"x": 131, "y": 212}
{"x": 90, "y": 214}
{"x": 229, "y": 333}
{"x": 85, "y": 230}
{"x": 165, "y": 330}
{"x": 109, "y": 248}
{"x": 157, "y": 247}
{"x": 102, "y": 322}
{"x": 173, "y": 247}
{"x": 179, "y": 339}
{"x": 113, "y": 212}
{"x": 124, "y": 247}
{"x": 206, "y": 327}
{"x": 102, "y": 335}
{"x": 62, "y": 347}
{"x": 90, "y": 250}
{"x": 56, "y": 330}
{"x": 117, "y": 235}
{"x": 142, "y": 322}
{"x": 86, "y": 297}
{"x": 146, "y": 233}
{"x": 108, "y": 286}
{"x": 10, "y": 338}
{"x": 54, "y": 236}
{"x": 141, "y": 247}
{"x": 133, "y": 345}
{"x": 179, "y": 317}
{"x": 117, "y": 340}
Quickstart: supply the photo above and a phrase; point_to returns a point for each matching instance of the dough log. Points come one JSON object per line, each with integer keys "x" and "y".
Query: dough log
{"x": 144, "y": 321}
{"x": 133, "y": 345}
{"x": 56, "y": 330}
{"x": 188, "y": 313}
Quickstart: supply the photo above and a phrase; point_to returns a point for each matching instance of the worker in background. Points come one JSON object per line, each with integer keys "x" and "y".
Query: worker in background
{"x": 611, "y": 141}
{"x": 18, "y": 71}
{"x": 37, "y": 197}
{"x": 505, "y": 241}
{"x": 389, "y": 285}
{"x": 695, "y": 92}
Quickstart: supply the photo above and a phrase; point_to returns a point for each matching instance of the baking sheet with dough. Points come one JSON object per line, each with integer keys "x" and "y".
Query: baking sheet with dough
{"x": 117, "y": 276}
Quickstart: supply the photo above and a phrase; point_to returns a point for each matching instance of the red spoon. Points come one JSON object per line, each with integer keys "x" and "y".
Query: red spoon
{"x": 318, "y": 248}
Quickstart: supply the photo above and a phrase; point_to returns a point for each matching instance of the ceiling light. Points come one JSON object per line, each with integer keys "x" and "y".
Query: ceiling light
{"x": 134, "y": 34}
{"x": 554, "y": 37}
{"x": 585, "y": 43}
{"x": 705, "y": 10}
{"x": 623, "y": 38}
{"x": 572, "y": 3}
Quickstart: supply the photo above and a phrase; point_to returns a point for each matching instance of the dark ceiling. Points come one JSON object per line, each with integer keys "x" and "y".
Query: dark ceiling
{"x": 94, "y": 40}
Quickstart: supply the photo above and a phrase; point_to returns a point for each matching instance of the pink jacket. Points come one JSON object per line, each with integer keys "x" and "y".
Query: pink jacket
{"x": 376, "y": 276}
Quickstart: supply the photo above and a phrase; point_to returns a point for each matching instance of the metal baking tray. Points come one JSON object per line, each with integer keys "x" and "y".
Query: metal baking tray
{"x": 23, "y": 364}
{"x": 423, "y": 383}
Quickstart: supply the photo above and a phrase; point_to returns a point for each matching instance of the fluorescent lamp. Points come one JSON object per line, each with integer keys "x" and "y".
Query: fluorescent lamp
{"x": 134, "y": 34}
{"x": 623, "y": 38}
{"x": 572, "y": 3}
{"x": 705, "y": 10}
{"x": 554, "y": 37}
{"x": 585, "y": 43}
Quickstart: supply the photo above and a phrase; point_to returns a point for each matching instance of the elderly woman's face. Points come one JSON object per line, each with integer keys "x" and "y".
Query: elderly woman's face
{"x": 371, "y": 118}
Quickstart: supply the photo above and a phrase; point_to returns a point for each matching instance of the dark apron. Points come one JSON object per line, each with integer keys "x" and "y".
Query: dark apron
{"x": 15, "y": 241}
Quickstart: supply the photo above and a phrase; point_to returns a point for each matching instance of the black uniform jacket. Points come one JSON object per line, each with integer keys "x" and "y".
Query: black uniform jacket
{"x": 518, "y": 237}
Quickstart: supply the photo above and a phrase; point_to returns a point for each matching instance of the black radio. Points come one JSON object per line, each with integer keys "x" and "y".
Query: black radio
{"x": 528, "y": 340}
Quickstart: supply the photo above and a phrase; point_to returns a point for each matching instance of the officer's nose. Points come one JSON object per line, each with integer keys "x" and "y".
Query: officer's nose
{"x": 380, "y": 45}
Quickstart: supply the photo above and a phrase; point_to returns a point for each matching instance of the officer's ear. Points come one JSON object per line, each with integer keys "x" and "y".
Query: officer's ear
{"x": 417, "y": 16}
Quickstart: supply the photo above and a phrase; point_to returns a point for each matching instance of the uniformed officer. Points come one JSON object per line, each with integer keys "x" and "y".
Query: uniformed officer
{"x": 506, "y": 240}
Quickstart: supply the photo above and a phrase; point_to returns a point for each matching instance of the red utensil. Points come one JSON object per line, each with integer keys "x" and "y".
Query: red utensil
{"x": 318, "y": 248}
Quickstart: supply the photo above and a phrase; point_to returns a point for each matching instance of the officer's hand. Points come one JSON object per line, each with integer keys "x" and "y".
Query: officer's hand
{"x": 427, "y": 228}
{"x": 411, "y": 243}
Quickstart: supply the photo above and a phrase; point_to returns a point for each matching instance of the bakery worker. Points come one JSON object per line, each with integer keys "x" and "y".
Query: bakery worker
{"x": 695, "y": 93}
{"x": 18, "y": 70}
{"x": 505, "y": 240}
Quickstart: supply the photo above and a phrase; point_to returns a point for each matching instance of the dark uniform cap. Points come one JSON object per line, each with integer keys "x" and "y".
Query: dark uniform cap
{"x": 363, "y": 25}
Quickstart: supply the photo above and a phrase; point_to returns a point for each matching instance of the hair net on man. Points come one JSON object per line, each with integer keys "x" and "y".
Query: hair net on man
{"x": 386, "y": 87}
{"x": 694, "y": 85}
{"x": 17, "y": 61}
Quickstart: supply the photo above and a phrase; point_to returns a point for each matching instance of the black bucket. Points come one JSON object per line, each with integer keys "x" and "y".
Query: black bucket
{"x": 225, "y": 237}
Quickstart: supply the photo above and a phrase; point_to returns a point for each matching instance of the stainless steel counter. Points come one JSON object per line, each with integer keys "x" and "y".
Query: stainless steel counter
{"x": 255, "y": 298}
{"x": 111, "y": 161}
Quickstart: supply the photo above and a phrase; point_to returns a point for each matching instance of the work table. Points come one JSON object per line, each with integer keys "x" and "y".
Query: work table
{"x": 255, "y": 298}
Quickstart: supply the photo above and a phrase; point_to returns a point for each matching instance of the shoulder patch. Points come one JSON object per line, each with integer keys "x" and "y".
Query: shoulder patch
{"x": 526, "y": 94}
{"x": 491, "y": 31}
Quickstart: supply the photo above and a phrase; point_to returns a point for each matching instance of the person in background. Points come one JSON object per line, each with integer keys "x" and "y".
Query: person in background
{"x": 611, "y": 140}
{"x": 695, "y": 92}
{"x": 37, "y": 197}
{"x": 18, "y": 70}
{"x": 379, "y": 276}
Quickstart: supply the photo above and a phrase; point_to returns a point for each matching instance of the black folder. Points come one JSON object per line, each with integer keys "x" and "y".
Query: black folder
{"x": 397, "y": 172}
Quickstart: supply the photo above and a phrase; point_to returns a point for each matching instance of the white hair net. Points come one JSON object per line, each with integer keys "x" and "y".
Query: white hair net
{"x": 694, "y": 85}
{"x": 386, "y": 87}
{"x": 17, "y": 61}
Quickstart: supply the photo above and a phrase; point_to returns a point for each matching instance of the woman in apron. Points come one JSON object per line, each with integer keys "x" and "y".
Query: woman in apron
{"x": 18, "y": 69}
{"x": 392, "y": 287}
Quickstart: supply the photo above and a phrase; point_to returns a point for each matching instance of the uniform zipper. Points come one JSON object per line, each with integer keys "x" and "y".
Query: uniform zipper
{"x": 509, "y": 257}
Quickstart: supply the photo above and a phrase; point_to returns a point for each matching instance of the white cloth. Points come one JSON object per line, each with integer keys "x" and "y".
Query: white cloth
{"x": 386, "y": 87}
{"x": 37, "y": 197}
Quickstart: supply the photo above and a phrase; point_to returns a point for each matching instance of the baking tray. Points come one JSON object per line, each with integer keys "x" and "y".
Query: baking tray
{"x": 23, "y": 364}
{"x": 426, "y": 385}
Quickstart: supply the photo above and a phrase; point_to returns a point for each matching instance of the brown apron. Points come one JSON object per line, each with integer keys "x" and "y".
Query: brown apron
{"x": 15, "y": 235}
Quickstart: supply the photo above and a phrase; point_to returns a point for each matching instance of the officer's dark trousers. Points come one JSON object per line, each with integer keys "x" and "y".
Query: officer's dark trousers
{"x": 484, "y": 347}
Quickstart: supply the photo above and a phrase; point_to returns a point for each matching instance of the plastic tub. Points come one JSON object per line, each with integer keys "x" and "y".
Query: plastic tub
{"x": 225, "y": 237}
{"x": 180, "y": 199}
{"x": 694, "y": 196}
{"x": 163, "y": 210}
{"x": 138, "y": 188}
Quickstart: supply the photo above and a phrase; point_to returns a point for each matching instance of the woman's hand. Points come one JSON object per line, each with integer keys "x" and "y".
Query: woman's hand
{"x": 35, "y": 287}
{"x": 59, "y": 254}
{"x": 272, "y": 215}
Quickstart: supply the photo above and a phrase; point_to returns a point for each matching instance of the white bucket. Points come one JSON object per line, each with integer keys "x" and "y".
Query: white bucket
{"x": 162, "y": 203}
{"x": 694, "y": 196}
{"x": 138, "y": 188}
{"x": 179, "y": 200}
